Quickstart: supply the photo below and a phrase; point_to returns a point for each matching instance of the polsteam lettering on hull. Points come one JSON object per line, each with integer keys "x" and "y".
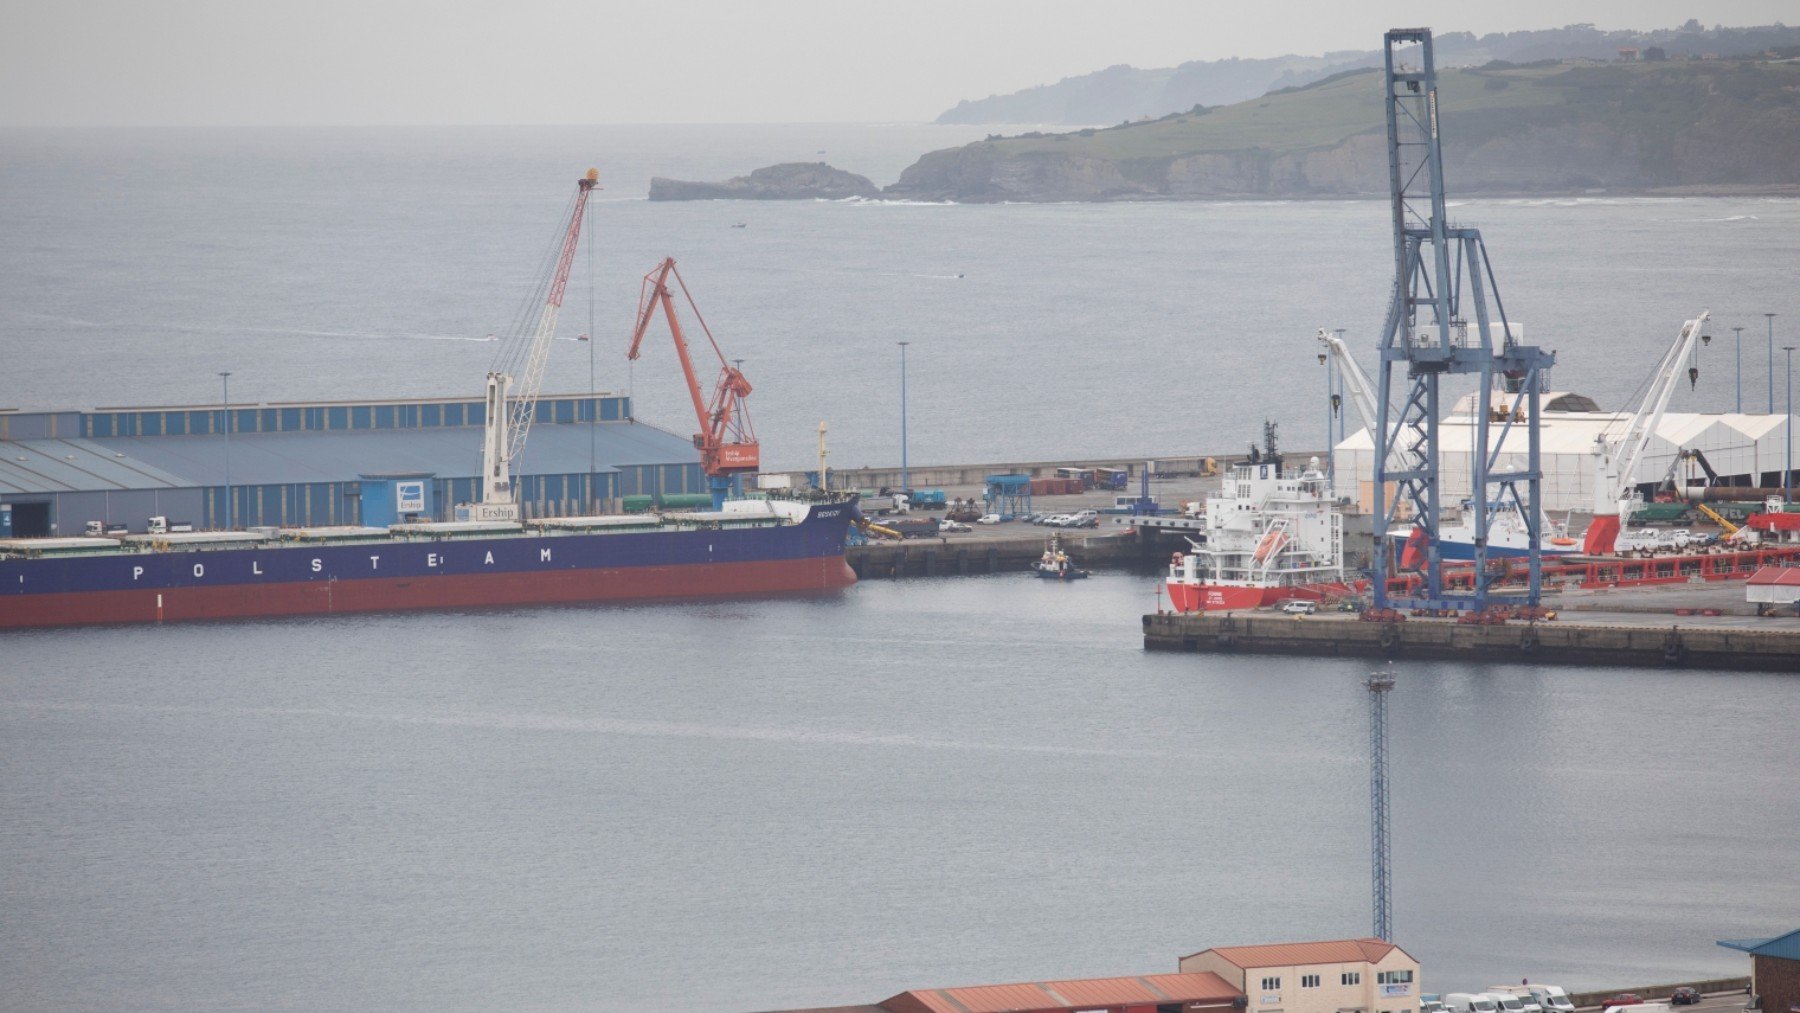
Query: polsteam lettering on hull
{"x": 799, "y": 548}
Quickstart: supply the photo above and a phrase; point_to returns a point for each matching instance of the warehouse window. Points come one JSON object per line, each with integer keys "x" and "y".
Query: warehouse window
{"x": 1350, "y": 978}
{"x": 1271, "y": 984}
{"x": 1309, "y": 981}
{"x": 1393, "y": 977}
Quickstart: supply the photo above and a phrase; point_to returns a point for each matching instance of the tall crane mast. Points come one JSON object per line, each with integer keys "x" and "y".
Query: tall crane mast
{"x": 726, "y": 441}
{"x": 508, "y": 419}
{"x": 1440, "y": 322}
{"x": 1618, "y": 457}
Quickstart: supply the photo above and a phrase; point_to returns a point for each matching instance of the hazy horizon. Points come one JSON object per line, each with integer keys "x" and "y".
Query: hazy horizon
{"x": 214, "y": 63}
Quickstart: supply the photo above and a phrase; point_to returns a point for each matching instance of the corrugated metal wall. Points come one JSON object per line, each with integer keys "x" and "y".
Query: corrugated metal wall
{"x": 298, "y": 418}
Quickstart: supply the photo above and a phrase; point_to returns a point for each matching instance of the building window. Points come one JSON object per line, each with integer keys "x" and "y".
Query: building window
{"x": 1351, "y": 978}
{"x": 1393, "y": 977}
{"x": 1309, "y": 981}
{"x": 1271, "y": 985}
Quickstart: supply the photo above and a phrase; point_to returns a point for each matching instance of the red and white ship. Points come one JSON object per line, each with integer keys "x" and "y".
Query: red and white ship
{"x": 1270, "y": 536}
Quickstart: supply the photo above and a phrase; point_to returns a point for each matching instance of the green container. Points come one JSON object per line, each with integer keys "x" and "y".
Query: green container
{"x": 1659, "y": 513}
{"x": 673, "y": 501}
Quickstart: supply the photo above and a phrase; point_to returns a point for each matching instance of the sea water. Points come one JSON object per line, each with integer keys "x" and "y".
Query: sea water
{"x": 920, "y": 783}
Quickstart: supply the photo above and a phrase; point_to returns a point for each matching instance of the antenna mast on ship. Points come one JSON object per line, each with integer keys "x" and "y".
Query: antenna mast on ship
{"x": 508, "y": 419}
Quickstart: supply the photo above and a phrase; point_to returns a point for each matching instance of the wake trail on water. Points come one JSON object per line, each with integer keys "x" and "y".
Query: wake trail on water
{"x": 606, "y": 726}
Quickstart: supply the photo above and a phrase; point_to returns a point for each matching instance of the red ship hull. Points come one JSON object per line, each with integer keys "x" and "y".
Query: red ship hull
{"x": 1219, "y": 597}
{"x": 637, "y": 583}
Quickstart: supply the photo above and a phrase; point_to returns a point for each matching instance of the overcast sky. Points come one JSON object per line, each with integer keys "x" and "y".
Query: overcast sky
{"x": 144, "y": 62}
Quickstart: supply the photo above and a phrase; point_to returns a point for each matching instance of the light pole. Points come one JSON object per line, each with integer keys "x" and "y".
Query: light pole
{"x": 1739, "y": 331}
{"x": 1787, "y": 470}
{"x": 903, "y": 480}
{"x": 225, "y": 379}
{"x": 1771, "y": 317}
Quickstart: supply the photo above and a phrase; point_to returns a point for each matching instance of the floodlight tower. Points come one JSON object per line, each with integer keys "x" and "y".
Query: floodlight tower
{"x": 1440, "y": 322}
{"x": 1380, "y": 873}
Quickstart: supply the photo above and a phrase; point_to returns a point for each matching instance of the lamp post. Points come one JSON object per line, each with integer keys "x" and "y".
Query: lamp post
{"x": 225, "y": 379}
{"x": 1787, "y": 468}
{"x": 904, "y": 485}
{"x": 1739, "y": 331}
{"x": 1771, "y": 317}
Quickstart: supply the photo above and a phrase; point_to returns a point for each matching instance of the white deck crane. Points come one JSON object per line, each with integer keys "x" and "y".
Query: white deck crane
{"x": 1617, "y": 457}
{"x": 509, "y": 417}
{"x": 1355, "y": 380}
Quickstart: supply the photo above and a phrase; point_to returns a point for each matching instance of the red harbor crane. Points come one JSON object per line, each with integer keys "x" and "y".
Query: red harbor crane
{"x": 726, "y": 442}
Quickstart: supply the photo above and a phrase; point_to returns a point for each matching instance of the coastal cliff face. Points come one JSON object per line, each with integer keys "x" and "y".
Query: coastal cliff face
{"x": 788, "y": 181}
{"x": 1541, "y": 129}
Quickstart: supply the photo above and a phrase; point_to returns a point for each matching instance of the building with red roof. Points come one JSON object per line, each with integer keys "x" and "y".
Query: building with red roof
{"x": 1335, "y": 976}
{"x": 1145, "y": 993}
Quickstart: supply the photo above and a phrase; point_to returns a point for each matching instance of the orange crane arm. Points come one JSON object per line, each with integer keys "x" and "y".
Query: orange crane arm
{"x": 726, "y": 442}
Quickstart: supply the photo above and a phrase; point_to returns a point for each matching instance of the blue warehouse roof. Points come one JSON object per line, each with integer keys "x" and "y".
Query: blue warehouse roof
{"x": 95, "y": 463}
{"x": 1786, "y": 947}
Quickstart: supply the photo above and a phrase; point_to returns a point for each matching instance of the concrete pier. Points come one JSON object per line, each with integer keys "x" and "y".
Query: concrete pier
{"x": 965, "y": 554}
{"x": 1648, "y": 642}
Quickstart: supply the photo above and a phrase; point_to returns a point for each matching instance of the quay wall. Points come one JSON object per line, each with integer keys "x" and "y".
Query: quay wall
{"x": 940, "y": 556}
{"x": 1690, "y": 645}
{"x": 1711, "y": 986}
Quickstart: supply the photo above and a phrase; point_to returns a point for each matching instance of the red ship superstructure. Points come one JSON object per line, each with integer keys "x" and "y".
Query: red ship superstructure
{"x": 1270, "y": 536}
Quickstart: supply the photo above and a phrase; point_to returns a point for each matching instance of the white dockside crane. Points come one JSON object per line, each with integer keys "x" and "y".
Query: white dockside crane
{"x": 509, "y": 417}
{"x": 1618, "y": 456}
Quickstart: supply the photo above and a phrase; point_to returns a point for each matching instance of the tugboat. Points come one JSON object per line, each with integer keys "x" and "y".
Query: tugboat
{"x": 1056, "y": 565}
{"x": 1270, "y": 537}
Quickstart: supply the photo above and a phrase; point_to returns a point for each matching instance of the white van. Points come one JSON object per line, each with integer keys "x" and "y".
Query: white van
{"x": 1470, "y": 1002}
{"x": 1552, "y": 998}
{"x": 1528, "y": 1003}
{"x": 1510, "y": 1003}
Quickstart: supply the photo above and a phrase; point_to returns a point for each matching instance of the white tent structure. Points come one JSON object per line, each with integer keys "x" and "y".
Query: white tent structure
{"x": 1743, "y": 449}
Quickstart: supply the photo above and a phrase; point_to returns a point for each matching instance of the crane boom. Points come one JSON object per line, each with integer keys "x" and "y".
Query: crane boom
{"x": 508, "y": 419}
{"x": 1354, "y": 378}
{"x": 726, "y": 441}
{"x": 1617, "y": 460}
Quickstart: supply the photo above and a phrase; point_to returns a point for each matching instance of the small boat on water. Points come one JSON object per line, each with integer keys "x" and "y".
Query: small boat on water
{"x": 1056, "y": 564}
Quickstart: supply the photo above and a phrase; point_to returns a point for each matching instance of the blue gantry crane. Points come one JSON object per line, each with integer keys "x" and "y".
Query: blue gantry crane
{"x": 1442, "y": 321}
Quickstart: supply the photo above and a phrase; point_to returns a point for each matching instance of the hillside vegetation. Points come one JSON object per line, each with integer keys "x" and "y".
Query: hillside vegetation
{"x": 1551, "y": 127}
{"x": 1128, "y": 93}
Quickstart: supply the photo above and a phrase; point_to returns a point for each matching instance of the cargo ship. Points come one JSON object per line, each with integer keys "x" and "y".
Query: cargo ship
{"x": 489, "y": 554}
{"x": 748, "y": 547}
{"x": 1270, "y": 537}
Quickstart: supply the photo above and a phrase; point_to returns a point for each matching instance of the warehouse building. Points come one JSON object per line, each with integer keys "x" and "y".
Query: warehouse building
{"x": 1337, "y": 976}
{"x": 1774, "y": 970}
{"x": 312, "y": 464}
{"x": 1742, "y": 449}
{"x": 1148, "y": 993}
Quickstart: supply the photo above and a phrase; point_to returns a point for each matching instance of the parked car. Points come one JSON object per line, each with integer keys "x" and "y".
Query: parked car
{"x": 954, "y": 526}
{"x": 1684, "y": 996}
{"x": 1083, "y": 519}
{"x": 1622, "y": 999}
